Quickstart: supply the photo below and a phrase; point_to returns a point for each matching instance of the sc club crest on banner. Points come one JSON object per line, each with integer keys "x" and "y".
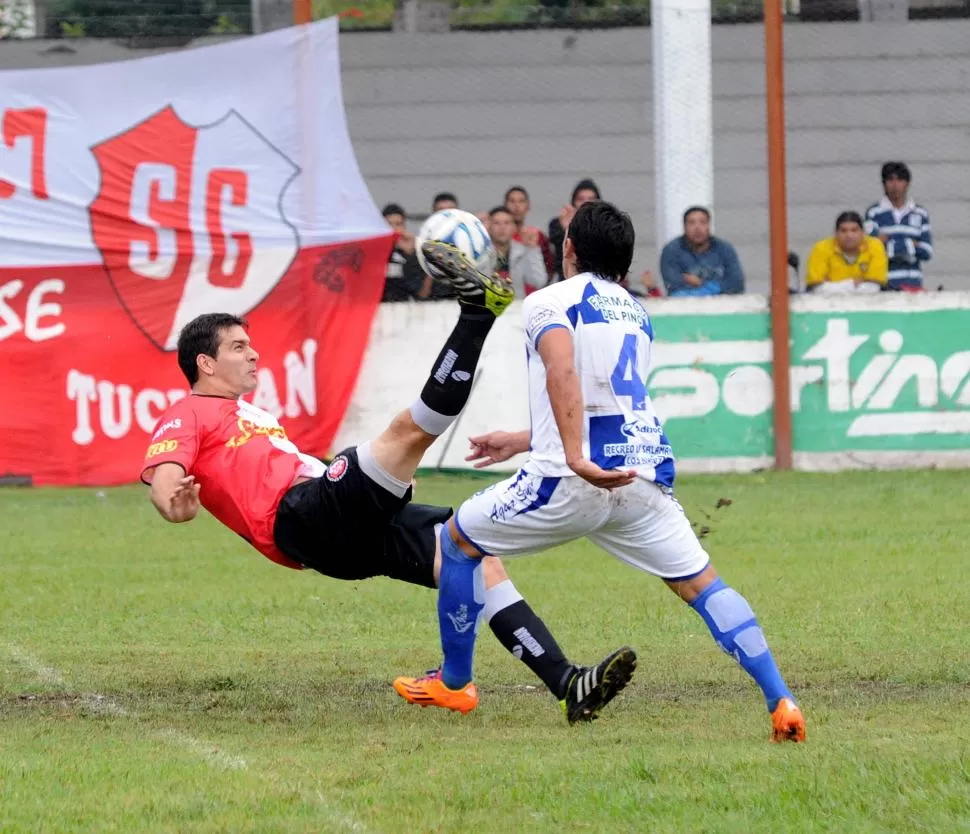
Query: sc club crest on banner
{"x": 188, "y": 219}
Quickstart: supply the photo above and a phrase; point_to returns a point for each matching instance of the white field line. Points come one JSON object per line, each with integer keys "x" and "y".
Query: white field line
{"x": 206, "y": 751}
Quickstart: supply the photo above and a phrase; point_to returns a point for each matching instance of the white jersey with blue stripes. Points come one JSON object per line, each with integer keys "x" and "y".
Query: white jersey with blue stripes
{"x": 612, "y": 336}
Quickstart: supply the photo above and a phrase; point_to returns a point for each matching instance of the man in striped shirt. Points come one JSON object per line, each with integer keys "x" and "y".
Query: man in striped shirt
{"x": 904, "y": 228}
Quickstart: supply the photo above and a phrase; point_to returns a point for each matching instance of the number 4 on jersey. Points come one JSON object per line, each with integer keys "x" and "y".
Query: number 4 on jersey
{"x": 629, "y": 386}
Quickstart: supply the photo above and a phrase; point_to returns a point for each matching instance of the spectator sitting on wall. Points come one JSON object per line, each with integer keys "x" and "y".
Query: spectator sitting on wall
{"x": 584, "y": 191}
{"x": 443, "y": 200}
{"x": 519, "y": 260}
{"x": 904, "y": 228}
{"x": 404, "y": 278}
{"x": 697, "y": 263}
{"x": 517, "y": 203}
{"x": 850, "y": 262}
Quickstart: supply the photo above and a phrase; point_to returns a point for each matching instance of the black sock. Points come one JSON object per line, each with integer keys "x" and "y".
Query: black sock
{"x": 445, "y": 393}
{"x": 520, "y": 630}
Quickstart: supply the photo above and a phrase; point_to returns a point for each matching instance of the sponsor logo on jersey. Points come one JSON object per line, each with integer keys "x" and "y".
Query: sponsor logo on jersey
{"x": 162, "y": 448}
{"x": 248, "y": 430}
{"x": 171, "y": 424}
{"x": 637, "y": 428}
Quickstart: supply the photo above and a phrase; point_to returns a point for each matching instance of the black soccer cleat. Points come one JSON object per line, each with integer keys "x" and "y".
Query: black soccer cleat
{"x": 593, "y": 687}
{"x": 474, "y": 288}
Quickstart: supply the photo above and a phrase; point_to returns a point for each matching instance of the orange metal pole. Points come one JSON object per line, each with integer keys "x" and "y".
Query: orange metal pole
{"x": 302, "y": 12}
{"x": 778, "y": 223}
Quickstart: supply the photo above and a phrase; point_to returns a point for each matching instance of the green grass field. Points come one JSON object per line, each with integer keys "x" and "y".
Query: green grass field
{"x": 156, "y": 678}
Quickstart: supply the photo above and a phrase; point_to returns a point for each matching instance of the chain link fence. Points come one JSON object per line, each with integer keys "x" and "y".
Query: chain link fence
{"x": 195, "y": 18}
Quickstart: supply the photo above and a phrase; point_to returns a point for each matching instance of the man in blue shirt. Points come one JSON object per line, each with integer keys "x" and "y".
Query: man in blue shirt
{"x": 698, "y": 263}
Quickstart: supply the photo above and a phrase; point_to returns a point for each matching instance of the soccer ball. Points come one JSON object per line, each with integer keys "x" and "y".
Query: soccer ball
{"x": 462, "y": 230}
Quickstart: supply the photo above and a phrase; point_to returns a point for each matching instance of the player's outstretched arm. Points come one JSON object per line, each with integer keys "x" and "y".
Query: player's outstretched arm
{"x": 497, "y": 446}
{"x": 566, "y": 398}
{"x": 175, "y": 494}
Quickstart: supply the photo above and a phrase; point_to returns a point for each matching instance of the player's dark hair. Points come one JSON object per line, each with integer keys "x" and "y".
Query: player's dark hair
{"x": 201, "y": 335}
{"x": 848, "y": 217}
{"x": 896, "y": 169}
{"x": 499, "y": 210}
{"x": 512, "y": 191}
{"x": 603, "y": 238}
{"x": 692, "y": 209}
{"x": 444, "y": 195}
{"x": 393, "y": 208}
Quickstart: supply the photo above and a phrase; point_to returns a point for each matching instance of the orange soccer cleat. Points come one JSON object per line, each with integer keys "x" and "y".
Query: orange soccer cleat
{"x": 787, "y": 722}
{"x": 430, "y": 691}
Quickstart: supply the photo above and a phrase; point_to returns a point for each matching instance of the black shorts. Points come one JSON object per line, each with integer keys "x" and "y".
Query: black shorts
{"x": 347, "y": 526}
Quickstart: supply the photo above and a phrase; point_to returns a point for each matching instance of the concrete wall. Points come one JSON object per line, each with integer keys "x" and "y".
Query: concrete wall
{"x": 476, "y": 112}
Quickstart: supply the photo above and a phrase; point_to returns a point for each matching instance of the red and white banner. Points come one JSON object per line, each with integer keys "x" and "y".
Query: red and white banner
{"x": 137, "y": 195}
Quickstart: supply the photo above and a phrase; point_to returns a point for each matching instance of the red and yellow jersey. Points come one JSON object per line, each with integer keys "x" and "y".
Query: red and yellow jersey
{"x": 241, "y": 457}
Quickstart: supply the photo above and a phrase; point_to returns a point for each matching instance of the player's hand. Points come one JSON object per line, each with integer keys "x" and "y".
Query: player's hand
{"x": 494, "y": 447}
{"x": 692, "y": 280}
{"x": 184, "y": 503}
{"x": 602, "y": 478}
{"x": 530, "y": 236}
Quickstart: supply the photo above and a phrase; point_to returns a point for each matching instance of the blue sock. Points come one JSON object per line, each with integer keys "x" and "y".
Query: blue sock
{"x": 735, "y": 629}
{"x": 461, "y": 597}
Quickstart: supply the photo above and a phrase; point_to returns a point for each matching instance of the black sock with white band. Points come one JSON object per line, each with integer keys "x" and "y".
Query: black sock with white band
{"x": 445, "y": 393}
{"x": 520, "y": 630}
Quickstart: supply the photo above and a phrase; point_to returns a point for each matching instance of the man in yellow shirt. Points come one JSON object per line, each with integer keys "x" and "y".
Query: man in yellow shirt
{"x": 850, "y": 262}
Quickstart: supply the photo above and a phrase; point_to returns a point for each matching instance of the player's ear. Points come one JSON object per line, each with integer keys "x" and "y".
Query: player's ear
{"x": 568, "y": 256}
{"x": 206, "y": 364}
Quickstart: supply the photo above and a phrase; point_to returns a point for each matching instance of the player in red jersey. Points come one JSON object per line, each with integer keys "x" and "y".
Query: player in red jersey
{"x": 353, "y": 519}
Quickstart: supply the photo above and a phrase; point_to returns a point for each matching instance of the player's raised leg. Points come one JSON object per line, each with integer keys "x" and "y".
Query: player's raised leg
{"x": 734, "y": 627}
{"x": 392, "y": 458}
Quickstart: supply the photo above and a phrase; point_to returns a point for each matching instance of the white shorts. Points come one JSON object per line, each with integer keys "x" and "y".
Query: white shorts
{"x": 641, "y": 524}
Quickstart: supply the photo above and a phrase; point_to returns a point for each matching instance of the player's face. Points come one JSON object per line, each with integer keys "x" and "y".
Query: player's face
{"x": 235, "y": 364}
{"x": 697, "y": 228}
{"x": 584, "y": 195}
{"x": 501, "y": 227}
{"x": 849, "y": 236}
{"x": 441, "y": 205}
{"x": 518, "y": 205}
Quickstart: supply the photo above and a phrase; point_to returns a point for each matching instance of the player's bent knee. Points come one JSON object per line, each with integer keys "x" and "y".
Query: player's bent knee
{"x": 464, "y": 544}
{"x": 493, "y": 571}
{"x": 689, "y": 589}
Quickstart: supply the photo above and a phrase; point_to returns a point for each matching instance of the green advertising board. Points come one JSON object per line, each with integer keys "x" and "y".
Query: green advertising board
{"x": 886, "y": 377}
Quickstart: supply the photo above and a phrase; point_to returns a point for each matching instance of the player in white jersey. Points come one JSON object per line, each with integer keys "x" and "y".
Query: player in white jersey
{"x": 600, "y": 466}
